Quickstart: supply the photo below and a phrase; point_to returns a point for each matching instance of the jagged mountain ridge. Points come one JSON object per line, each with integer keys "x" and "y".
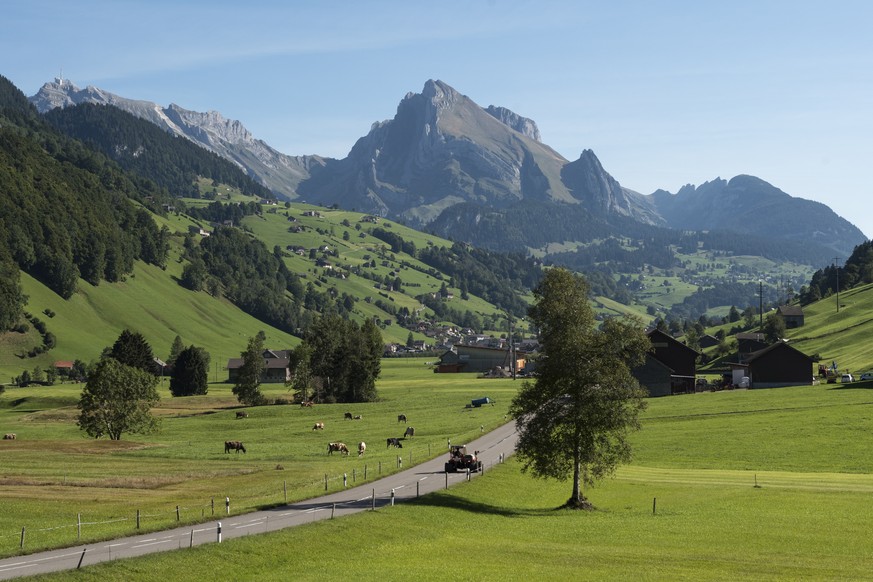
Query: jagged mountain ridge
{"x": 749, "y": 205}
{"x": 442, "y": 155}
{"x": 442, "y": 149}
{"x": 228, "y": 138}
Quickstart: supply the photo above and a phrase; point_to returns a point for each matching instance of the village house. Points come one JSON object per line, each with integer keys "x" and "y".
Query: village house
{"x": 792, "y": 315}
{"x": 277, "y": 367}
{"x": 748, "y": 342}
{"x": 670, "y": 366}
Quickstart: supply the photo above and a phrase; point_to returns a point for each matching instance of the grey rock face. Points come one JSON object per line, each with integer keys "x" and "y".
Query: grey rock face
{"x": 520, "y": 124}
{"x": 225, "y": 137}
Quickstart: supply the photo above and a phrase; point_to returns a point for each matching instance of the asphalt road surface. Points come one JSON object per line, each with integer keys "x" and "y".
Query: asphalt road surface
{"x": 421, "y": 479}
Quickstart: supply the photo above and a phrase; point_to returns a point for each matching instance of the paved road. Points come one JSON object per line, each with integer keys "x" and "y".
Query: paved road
{"x": 418, "y": 480}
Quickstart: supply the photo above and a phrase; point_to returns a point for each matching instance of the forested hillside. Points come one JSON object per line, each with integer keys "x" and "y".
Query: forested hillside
{"x": 71, "y": 214}
{"x": 141, "y": 147}
{"x": 66, "y": 211}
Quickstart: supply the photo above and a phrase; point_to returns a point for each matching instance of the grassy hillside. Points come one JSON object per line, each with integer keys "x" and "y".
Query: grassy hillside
{"x": 842, "y": 336}
{"x": 150, "y": 302}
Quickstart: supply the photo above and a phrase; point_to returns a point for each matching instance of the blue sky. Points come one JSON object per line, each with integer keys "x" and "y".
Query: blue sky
{"x": 665, "y": 93}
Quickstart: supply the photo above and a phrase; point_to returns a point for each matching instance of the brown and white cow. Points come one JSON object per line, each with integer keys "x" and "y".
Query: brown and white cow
{"x": 362, "y": 446}
{"x": 242, "y": 414}
{"x": 9, "y": 436}
{"x": 410, "y": 432}
{"x": 318, "y": 426}
{"x": 338, "y": 447}
{"x": 234, "y": 446}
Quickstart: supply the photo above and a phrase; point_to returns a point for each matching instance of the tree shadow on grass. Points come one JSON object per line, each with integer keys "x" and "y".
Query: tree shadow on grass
{"x": 449, "y": 501}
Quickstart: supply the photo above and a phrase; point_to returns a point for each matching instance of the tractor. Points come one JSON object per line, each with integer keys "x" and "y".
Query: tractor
{"x": 460, "y": 460}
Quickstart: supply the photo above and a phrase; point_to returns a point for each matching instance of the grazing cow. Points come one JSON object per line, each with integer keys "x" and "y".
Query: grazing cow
{"x": 410, "y": 432}
{"x": 233, "y": 446}
{"x": 395, "y": 442}
{"x": 358, "y": 417}
{"x": 9, "y": 436}
{"x": 401, "y": 418}
{"x": 338, "y": 447}
{"x": 318, "y": 426}
{"x": 348, "y": 416}
{"x": 241, "y": 414}
{"x": 362, "y": 446}
{"x": 307, "y": 404}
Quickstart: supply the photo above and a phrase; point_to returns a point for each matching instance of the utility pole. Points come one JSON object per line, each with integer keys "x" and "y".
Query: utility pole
{"x": 511, "y": 346}
{"x": 761, "y": 304}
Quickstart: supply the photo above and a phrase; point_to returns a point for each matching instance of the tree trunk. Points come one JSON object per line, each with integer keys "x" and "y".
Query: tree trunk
{"x": 577, "y": 499}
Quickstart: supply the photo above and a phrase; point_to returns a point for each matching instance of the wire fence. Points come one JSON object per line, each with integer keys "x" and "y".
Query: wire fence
{"x": 85, "y": 528}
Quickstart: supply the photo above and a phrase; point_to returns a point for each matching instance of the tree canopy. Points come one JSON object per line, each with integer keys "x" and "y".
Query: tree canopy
{"x": 345, "y": 357}
{"x": 132, "y": 349}
{"x": 190, "y": 372}
{"x": 574, "y": 417}
{"x": 117, "y": 399}
{"x": 248, "y": 383}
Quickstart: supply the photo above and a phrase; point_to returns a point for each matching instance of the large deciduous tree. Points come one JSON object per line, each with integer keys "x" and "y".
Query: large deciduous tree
{"x": 573, "y": 418}
{"x": 248, "y": 383}
{"x": 190, "y": 372}
{"x": 117, "y": 399}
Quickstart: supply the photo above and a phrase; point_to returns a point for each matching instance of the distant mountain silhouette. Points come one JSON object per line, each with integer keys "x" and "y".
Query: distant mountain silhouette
{"x": 483, "y": 175}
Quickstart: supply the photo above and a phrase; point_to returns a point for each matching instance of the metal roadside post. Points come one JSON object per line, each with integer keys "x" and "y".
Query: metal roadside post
{"x": 219, "y": 532}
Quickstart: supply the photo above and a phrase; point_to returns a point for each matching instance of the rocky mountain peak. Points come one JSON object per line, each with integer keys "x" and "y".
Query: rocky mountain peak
{"x": 520, "y": 124}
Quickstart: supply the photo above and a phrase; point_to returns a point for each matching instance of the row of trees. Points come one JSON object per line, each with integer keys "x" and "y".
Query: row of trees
{"x": 121, "y": 387}
{"x": 338, "y": 361}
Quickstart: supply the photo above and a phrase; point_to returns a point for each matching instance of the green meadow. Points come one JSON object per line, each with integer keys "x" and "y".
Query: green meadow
{"x": 52, "y": 473}
{"x": 746, "y": 484}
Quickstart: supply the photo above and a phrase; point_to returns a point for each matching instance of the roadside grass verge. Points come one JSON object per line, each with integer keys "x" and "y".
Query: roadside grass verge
{"x": 504, "y": 526}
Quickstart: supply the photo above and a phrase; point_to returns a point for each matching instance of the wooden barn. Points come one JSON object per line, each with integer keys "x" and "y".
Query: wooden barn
{"x": 478, "y": 359}
{"x": 670, "y": 367}
{"x": 777, "y": 365}
{"x": 792, "y": 315}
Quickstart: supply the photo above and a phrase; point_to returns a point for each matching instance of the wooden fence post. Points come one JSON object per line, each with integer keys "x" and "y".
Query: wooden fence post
{"x": 137, "y": 519}
{"x": 21, "y": 544}
{"x": 177, "y": 513}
